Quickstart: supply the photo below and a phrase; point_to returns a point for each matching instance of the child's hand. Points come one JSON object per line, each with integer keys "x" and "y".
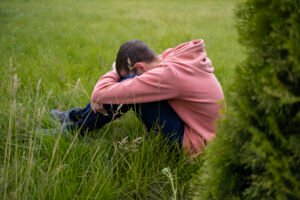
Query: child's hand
{"x": 98, "y": 108}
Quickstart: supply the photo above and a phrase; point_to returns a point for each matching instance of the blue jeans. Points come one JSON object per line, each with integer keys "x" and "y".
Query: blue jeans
{"x": 152, "y": 114}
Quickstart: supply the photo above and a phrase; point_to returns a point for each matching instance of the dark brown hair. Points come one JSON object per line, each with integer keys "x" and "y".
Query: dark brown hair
{"x": 132, "y": 52}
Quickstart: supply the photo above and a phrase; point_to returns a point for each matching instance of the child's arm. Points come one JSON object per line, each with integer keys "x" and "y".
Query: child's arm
{"x": 158, "y": 84}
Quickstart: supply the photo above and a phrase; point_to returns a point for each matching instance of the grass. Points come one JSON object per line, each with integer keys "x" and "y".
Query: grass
{"x": 51, "y": 55}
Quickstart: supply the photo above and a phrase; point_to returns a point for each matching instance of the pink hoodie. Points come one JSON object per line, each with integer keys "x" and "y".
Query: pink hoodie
{"x": 185, "y": 78}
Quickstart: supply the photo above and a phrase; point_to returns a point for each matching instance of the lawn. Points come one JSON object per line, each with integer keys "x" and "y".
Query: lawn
{"x": 51, "y": 55}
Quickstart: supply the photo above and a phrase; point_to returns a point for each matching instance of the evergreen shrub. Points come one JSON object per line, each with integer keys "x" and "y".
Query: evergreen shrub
{"x": 256, "y": 154}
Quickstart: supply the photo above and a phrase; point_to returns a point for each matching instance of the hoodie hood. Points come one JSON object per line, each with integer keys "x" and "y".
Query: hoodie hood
{"x": 189, "y": 54}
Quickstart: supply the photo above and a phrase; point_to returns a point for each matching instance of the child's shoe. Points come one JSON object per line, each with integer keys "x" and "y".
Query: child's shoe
{"x": 62, "y": 117}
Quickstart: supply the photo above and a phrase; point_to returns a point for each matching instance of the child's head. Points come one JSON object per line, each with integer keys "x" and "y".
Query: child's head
{"x": 131, "y": 55}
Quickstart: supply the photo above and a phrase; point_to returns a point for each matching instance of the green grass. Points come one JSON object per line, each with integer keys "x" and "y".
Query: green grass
{"x": 51, "y": 55}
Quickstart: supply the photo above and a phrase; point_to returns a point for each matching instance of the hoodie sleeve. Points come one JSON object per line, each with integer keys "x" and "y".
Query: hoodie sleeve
{"x": 157, "y": 84}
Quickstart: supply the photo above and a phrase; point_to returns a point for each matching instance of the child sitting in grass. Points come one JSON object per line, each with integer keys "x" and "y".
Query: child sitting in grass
{"x": 177, "y": 90}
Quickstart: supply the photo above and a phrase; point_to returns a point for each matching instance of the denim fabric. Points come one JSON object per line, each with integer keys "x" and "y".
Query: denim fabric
{"x": 157, "y": 115}
{"x": 86, "y": 120}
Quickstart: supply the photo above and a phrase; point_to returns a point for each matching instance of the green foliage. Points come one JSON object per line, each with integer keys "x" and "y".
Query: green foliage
{"x": 51, "y": 55}
{"x": 256, "y": 154}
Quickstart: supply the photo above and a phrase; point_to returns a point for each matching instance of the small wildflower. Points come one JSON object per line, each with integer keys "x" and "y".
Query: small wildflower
{"x": 167, "y": 171}
{"x": 124, "y": 144}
